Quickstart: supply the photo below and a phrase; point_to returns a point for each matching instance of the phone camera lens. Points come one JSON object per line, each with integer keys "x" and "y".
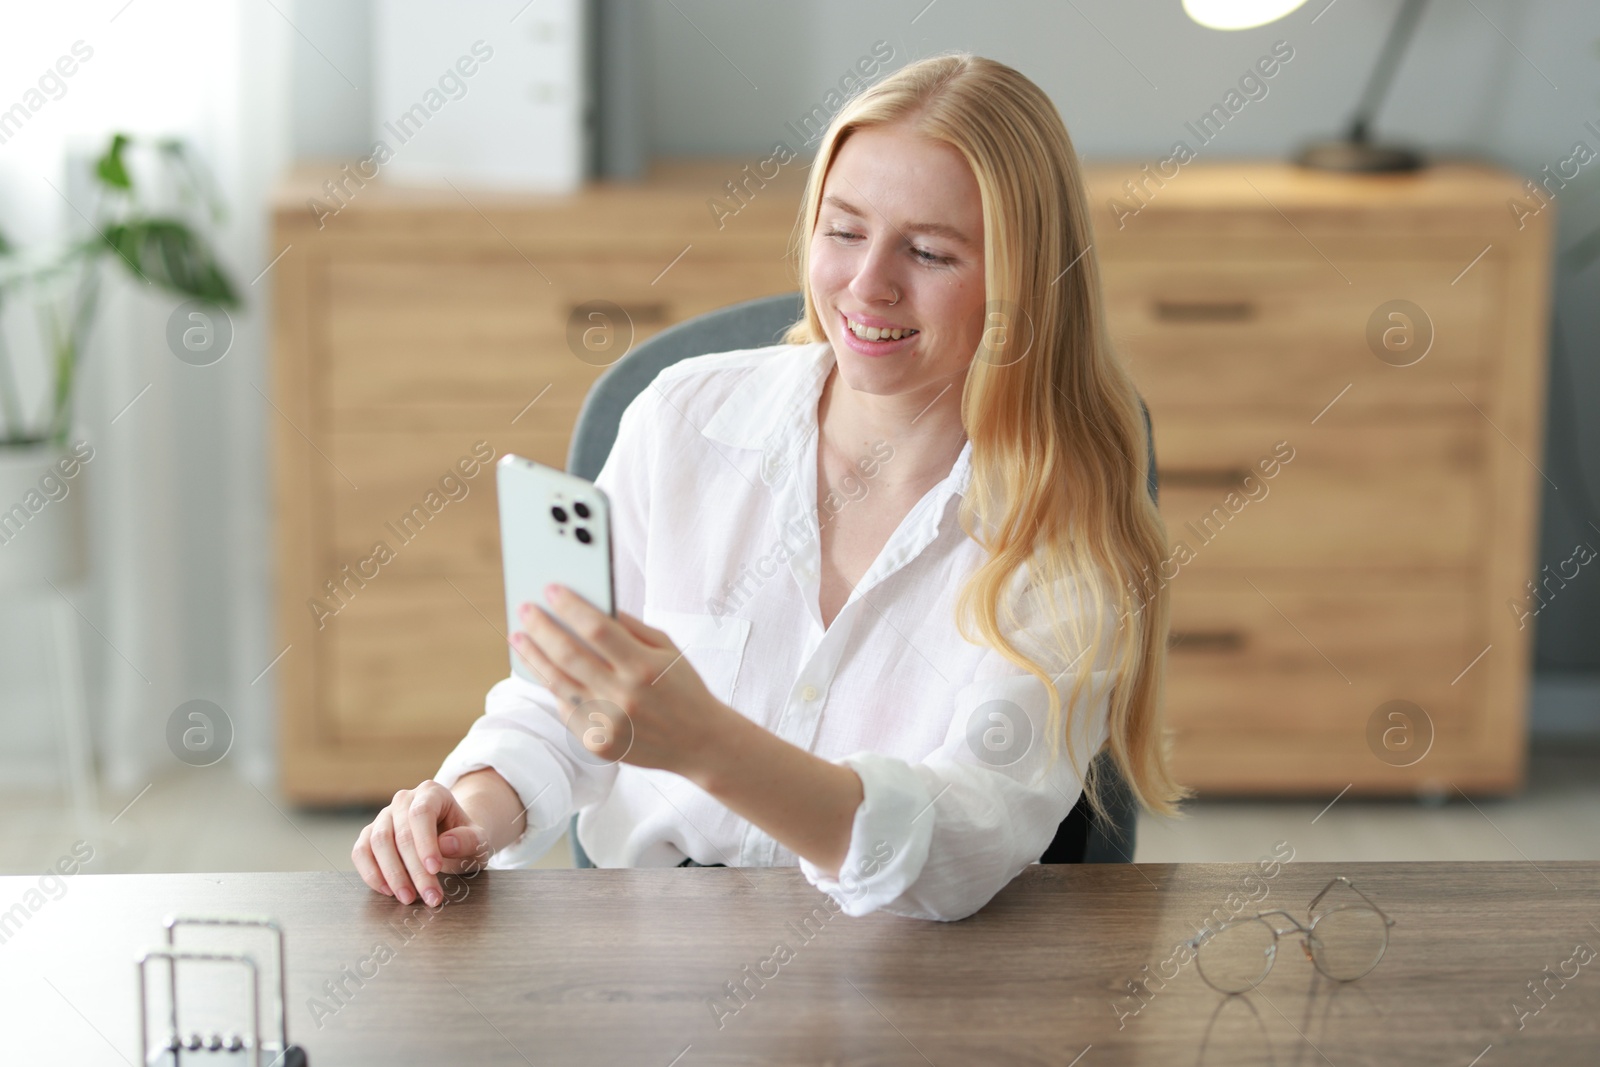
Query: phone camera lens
{"x": 559, "y": 512}
{"x": 582, "y": 535}
{"x": 582, "y": 509}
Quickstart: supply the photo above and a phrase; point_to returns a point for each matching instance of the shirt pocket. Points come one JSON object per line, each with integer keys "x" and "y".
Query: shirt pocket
{"x": 713, "y": 645}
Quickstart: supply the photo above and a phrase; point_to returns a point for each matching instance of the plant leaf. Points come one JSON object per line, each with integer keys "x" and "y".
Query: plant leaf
{"x": 124, "y": 244}
{"x": 168, "y": 253}
{"x": 110, "y": 169}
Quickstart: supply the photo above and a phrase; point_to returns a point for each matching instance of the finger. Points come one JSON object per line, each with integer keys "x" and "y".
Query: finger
{"x": 388, "y": 857}
{"x": 432, "y": 806}
{"x": 465, "y": 844}
{"x": 527, "y": 652}
{"x": 457, "y": 842}
{"x": 426, "y": 885}
{"x": 600, "y": 630}
{"x": 648, "y": 634}
{"x": 577, "y": 660}
{"x": 366, "y": 865}
{"x": 462, "y": 843}
{"x": 549, "y": 675}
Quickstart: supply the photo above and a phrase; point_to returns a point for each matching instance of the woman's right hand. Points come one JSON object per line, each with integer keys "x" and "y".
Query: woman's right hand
{"x": 422, "y": 833}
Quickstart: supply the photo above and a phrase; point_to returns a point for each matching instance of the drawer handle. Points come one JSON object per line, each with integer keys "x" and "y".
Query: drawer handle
{"x": 1205, "y": 640}
{"x": 1202, "y": 477}
{"x": 638, "y": 314}
{"x": 1205, "y": 310}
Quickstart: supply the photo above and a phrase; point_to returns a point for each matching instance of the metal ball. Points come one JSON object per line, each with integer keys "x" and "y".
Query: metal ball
{"x": 235, "y": 1042}
{"x": 194, "y": 1042}
{"x": 214, "y": 1042}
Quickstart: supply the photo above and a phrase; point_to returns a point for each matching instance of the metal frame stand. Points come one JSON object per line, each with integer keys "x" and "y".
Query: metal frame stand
{"x": 175, "y": 1043}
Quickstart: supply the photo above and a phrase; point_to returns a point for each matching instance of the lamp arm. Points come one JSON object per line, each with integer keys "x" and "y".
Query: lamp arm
{"x": 1383, "y": 72}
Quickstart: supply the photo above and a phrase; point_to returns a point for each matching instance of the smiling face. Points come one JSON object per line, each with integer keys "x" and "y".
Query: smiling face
{"x": 901, "y": 215}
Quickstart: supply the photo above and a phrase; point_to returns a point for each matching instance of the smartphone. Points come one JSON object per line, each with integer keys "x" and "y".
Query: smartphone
{"x": 554, "y": 527}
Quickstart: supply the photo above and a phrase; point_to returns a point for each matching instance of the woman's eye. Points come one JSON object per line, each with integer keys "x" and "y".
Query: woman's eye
{"x": 931, "y": 259}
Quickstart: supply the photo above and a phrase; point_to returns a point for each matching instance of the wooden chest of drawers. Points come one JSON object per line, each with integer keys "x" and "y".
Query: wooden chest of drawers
{"x": 421, "y": 334}
{"x": 1388, "y": 333}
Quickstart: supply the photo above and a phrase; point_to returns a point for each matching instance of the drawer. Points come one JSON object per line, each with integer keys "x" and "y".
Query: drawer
{"x": 1356, "y": 491}
{"x": 409, "y": 660}
{"x": 459, "y": 341}
{"x": 1291, "y": 334}
{"x": 1308, "y": 657}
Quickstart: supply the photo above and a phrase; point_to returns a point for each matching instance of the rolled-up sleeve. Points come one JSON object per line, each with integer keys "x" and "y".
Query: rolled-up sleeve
{"x": 522, "y": 734}
{"x": 522, "y": 737}
{"x": 938, "y": 838}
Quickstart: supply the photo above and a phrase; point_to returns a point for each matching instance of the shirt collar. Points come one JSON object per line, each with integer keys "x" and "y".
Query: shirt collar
{"x": 774, "y": 409}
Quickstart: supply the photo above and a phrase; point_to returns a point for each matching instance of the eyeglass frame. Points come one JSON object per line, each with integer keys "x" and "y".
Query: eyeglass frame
{"x": 1198, "y": 941}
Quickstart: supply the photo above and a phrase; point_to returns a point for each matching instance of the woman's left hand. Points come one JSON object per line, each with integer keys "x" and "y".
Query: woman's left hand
{"x": 632, "y": 696}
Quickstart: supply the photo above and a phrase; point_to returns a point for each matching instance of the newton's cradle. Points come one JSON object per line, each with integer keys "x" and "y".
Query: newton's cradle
{"x": 177, "y": 1048}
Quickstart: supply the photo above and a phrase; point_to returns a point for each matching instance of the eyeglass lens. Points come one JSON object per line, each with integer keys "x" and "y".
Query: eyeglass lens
{"x": 1347, "y": 942}
{"x": 1238, "y": 956}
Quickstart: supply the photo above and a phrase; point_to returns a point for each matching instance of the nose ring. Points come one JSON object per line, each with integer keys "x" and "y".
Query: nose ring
{"x": 896, "y": 299}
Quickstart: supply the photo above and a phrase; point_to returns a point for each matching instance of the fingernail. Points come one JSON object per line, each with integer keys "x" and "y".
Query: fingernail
{"x": 432, "y": 897}
{"x": 448, "y": 847}
{"x": 432, "y": 865}
{"x": 405, "y": 896}
{"x": 554, "y": 592}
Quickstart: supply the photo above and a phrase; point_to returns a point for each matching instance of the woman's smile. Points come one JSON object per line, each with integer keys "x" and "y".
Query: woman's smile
{"x": 873, "y": 336}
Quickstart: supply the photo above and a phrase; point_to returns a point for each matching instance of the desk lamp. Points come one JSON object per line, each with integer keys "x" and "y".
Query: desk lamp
{"x": 1355, "y": 151}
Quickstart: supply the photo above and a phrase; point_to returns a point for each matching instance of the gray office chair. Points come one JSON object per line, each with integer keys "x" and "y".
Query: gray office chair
{"x": 1080, "y": 839}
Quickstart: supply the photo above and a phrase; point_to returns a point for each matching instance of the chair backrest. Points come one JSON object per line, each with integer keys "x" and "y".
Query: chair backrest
{"x": 749, "y": 325}
{"x": 1080, "y": 838}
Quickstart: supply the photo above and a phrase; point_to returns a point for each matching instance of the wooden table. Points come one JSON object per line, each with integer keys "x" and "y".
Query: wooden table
{"x": 624, "y": 966}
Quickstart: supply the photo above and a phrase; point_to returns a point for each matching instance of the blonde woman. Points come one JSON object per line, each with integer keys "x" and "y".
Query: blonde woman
{"x": 881, "y": 588}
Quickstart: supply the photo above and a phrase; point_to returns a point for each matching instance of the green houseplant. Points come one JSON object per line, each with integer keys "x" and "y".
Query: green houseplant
{"x": 151, "y": 230}
{"x": 156, "y": 247}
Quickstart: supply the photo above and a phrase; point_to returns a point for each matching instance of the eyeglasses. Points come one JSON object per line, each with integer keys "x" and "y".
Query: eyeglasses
{"x": 1344, "y": 942}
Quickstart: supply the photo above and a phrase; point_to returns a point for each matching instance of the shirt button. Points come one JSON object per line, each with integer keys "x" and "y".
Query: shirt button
{"x": 808, "y": 693}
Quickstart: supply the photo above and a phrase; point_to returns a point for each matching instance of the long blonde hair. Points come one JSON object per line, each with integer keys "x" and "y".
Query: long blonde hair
{"x": 1058, "y": 488}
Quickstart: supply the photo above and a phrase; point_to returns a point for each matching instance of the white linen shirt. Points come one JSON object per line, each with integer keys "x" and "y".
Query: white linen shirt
{"x": 713, "y": 489}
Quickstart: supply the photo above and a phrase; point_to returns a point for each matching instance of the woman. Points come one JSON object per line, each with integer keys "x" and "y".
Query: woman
{"x": 871, "y": 555}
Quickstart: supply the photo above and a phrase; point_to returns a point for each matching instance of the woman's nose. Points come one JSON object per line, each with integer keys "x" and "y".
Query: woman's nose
{"x": 874, "y": 281}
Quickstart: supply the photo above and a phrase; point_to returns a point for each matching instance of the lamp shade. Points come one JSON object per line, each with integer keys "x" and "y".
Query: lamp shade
{"x": 1238, "y": 14}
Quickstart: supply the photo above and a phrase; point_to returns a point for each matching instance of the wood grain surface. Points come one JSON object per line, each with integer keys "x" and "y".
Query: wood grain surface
{"x": 635, "y": 966}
